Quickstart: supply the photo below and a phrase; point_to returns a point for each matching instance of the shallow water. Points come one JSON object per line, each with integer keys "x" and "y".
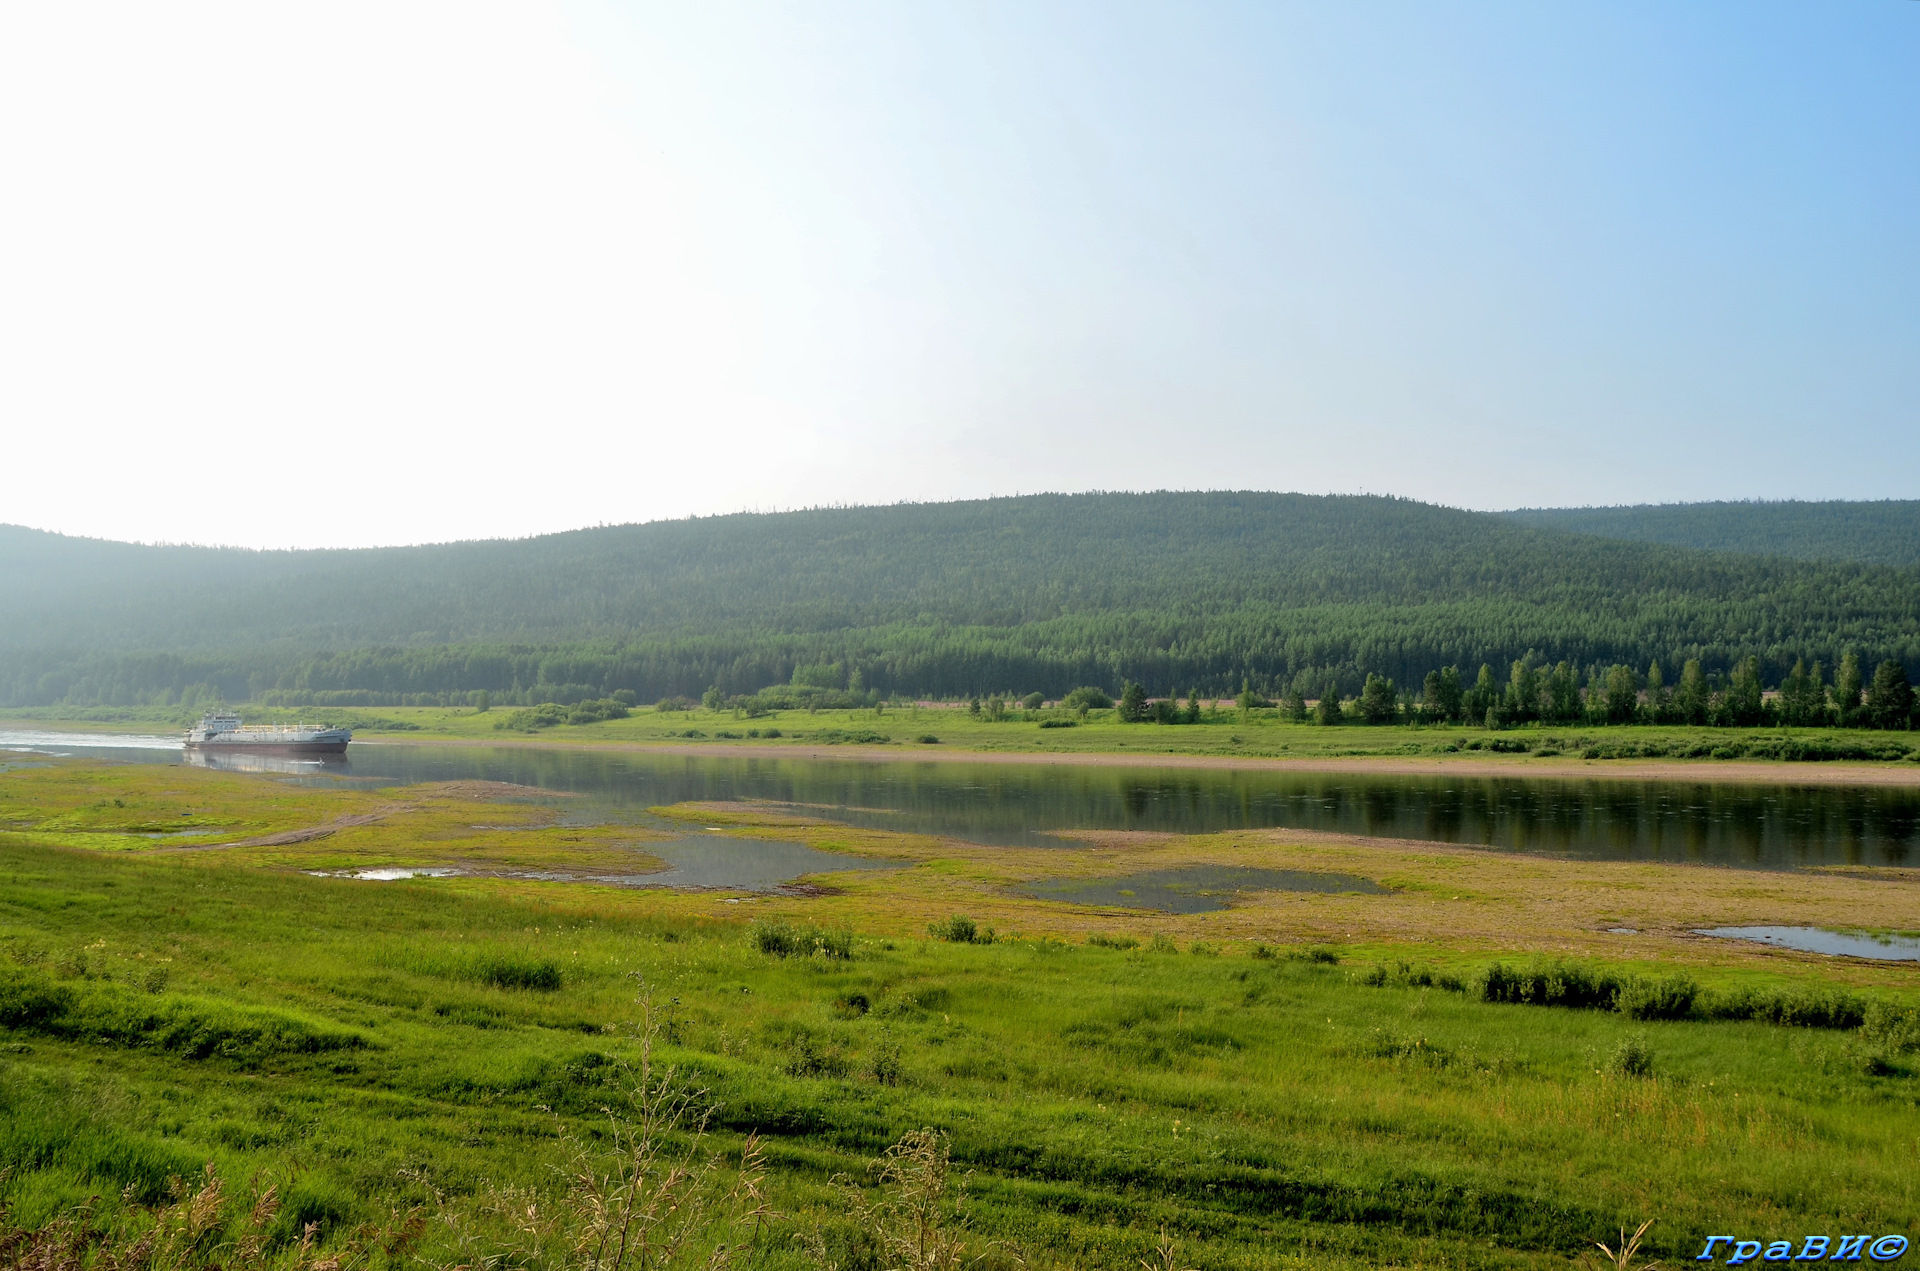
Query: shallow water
{"x": 1819, "y": 940}
{"x": 1756, "y": 826}
{"x": 1194, "y": 889}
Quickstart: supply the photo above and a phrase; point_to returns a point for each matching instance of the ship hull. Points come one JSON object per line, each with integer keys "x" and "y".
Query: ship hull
{"x": 319, "y": 746}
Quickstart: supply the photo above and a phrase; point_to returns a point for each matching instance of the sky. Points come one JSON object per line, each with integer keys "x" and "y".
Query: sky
{"x": 368, "y": 273}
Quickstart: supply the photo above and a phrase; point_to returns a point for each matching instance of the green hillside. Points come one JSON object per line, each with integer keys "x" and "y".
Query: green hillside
{"x": 1883, "y": 533}
{"x": 1041, "y": 592}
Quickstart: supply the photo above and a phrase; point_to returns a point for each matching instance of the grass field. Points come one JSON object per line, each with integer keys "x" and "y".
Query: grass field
{"x": 1319, "y": 1080}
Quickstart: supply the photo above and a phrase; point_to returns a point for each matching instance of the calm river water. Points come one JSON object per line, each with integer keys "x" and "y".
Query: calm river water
{"x": 1755, "y": 826}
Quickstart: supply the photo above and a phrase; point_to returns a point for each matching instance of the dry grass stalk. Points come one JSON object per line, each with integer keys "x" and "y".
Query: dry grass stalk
{"x": 1165, "y": 1256}
{"x": 918, "y": 1221}
{"x": 1622, "y": 1259}
{"x": 649, "y": 1197}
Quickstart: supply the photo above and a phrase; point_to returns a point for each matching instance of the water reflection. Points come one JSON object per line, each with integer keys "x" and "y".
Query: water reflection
{"x": 1193, "y": 889}
{"x": 1763, "y": 826}
{"x": 1880, "y": 948}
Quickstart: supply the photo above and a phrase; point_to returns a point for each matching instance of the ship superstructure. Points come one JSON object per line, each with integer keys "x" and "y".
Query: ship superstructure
{"x": 219, "y": 730}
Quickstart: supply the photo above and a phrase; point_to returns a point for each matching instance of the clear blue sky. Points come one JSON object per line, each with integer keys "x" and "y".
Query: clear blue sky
{"x": 716, "y": 256}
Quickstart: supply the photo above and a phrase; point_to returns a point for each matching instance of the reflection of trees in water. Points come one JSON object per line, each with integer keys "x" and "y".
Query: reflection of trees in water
{"x": 1642, "y": 820}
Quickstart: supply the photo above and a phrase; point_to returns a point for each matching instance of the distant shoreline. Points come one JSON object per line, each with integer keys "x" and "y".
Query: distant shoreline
{"x": 1717, "y": 771}
{"x": 1724, "y": 771}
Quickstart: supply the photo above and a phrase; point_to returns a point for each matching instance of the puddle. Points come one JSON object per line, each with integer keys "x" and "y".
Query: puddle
{"x": 1195, "y": 889}
{"x": 697, "y": 861}
{"x": 1819, "y": 940}
{"x": 394, "y": 875}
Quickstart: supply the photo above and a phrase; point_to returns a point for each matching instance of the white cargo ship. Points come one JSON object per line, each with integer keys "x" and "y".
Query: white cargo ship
{"x": 218, "y": 731}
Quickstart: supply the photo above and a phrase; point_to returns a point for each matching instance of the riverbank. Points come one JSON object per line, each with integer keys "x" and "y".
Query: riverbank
{"x": 1261, "y": 743}
{"x": 1729, "y": 771}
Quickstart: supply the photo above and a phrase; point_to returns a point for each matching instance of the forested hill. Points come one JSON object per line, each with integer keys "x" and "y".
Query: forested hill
{"x": 1041, "y": 592}
{"x": 1883, "y": 533}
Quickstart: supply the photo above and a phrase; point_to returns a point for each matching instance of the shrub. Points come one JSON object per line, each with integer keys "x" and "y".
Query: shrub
{"x": 1403, "y": 974}
{"x": 1059, "y": 723}
{"x": 1894, "y": 1029}
{"x": 782, "y": 939}
{"x": 1551, "y": 983}
{"x": 1632, "y": 1058}
{"x": 960, "y": 930}
{"x": 1669, "y": 998}
{"x": 807, "y": 1058}
{"x": 927, "y": 739}
{"x": 1793, "y": 1008}
{"x": 1100, "y": 940}
{"x": 1162, "y": 943}
{"x": 1087, "y": 698}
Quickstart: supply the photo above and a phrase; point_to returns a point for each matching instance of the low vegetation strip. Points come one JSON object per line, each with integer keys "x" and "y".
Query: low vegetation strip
{"x": 110, "y": 1015}
{"x": 1592, "y": 986}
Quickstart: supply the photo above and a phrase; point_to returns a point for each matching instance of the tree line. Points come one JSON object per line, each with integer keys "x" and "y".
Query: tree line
{"x": 1535, "y": 692}
{"x": 1169, "y": 590}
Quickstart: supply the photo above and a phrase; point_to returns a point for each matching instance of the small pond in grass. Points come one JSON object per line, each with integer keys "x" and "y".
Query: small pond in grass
{"x": 1851, "y": 944}
{"x": 707, "y": 861}
{"x": 1193, "y": 889}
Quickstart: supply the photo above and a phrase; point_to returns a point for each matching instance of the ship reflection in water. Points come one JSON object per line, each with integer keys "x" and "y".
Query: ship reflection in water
{"x": 241, "y": 760}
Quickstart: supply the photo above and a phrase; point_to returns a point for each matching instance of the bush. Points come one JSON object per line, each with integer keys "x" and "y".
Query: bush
{"x": 1100, "y": 940}
{"x": 552, "y": 714}
{"x": 807, "y": 1058}
{"x": 1792, "y": 1008}
{"x": 1894, "y": 1029}
{"x": 782, "y": 939}
{"x": 1551, "y": 983}
{"x": 927, "y": 739}
{"x": 1087, "y": 698}
{"x": 1668, "y": 998}
{"x": 1162, "y": 943}
{"x": 1402, "y": 974}
{"x": 1059, "y": 723}
{"x": 960, "y": 930}
{"x": 1632, "y": 1058}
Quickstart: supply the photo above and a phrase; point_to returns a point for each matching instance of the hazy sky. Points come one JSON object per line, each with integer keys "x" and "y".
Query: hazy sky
{"x": 387, "y": 272}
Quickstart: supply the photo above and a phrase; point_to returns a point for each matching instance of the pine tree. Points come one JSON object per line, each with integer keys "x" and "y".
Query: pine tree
{"x": 1622, "y": 695}
{"x": 1133, "y": 703}
{"x": 1746, "y": 701}
{"x": 1327, "y": 709}
{"x": 1379, "y": 700}
{"x": 1846, "y": 691}
{"x": 1694, "y": 696}
{"x": 1523, "y": 691}
{"x": 1890, "y": 700}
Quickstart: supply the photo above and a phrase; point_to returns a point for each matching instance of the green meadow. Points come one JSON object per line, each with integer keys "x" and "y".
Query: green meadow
{"x": 419, "y": 1069}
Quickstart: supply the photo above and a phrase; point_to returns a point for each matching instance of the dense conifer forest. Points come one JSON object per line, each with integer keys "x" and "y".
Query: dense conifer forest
{"x": 1175, "y": 591}
{"x": 1882, "y": 533}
